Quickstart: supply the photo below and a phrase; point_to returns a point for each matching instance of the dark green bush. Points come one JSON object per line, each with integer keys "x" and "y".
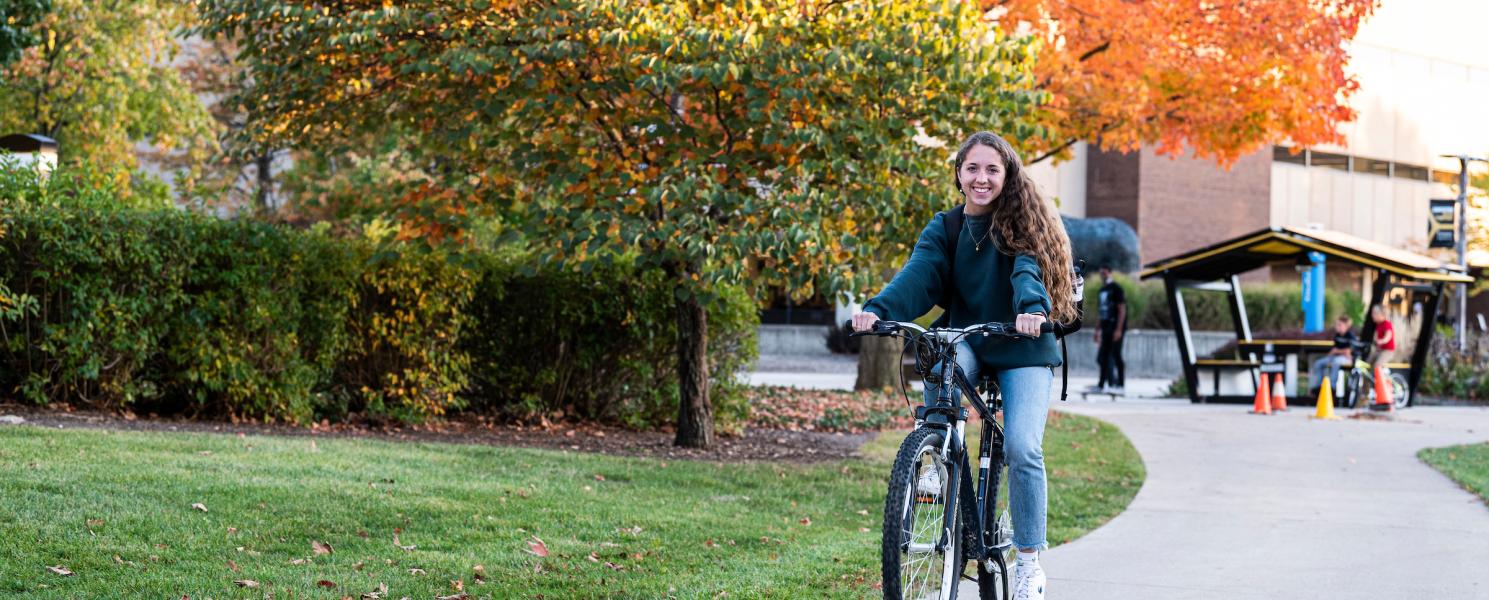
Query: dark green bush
{"x": 122, "y": 304}
{"x": 597, "y": 345}
{"x": 1269, "y": 306}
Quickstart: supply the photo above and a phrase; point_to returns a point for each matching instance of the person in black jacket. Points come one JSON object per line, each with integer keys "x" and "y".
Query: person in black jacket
{"x": 1112, "y": 308}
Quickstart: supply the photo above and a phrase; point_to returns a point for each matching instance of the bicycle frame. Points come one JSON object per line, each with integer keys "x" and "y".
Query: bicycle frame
{"x": 948, "y": 414}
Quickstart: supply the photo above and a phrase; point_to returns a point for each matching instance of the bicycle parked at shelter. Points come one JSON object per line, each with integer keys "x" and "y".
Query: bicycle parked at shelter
{"x": 1358, "y": 383}
{"x": 931, "y": 532}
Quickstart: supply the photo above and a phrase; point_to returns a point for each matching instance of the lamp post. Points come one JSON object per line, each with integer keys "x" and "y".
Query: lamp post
{"x": 1462, "y": 240}
{"x": 31, "y": 150}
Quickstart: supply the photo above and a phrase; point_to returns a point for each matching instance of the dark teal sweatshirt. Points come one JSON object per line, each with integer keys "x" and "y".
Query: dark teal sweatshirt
{"x": 987, "y": 286}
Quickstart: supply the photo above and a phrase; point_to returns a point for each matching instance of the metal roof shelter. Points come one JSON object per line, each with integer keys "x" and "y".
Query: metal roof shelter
{"x": 1218, "y": 267}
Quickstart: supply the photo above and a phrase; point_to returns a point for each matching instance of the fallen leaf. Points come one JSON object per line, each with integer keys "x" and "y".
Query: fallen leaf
{"x": 863, "y": 530}
{"x": 460, "y": 596}
{"x": 615, "y": 566}
{"x": 864, "y": 513}
{"x": 205, "y": 453}
{"x": 382, "y": 589}
{"x": 631, "y": 530}
{"x": 325, "y": 583}
{"x": 297, "y": 561}
{"x": 536, "y": 546}
{"x": 320, "y": 547}
{"x": 710, "y": 543}
{"x": 61, "y": 570}
{"x": 232, "y": 566}
{"x": 599, "y": 477}
{"x": 408, "y": 548}
{"x": 417, "y": 571}
{"x": 247, "y": 583}
{"x": 358, "y": 565}
{"x": 480, "y": 572}
{"x": 594, "y": 557}
{"x": 806, "y": 521}
{"x": 458, "y": 585}
{"x": 199, "y": 506}
{"x": 95, "y": 522}
{"x": 232, "y": 530}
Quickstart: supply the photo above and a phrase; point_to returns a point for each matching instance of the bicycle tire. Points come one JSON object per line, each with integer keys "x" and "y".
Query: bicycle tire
{"x": 899, "y": 503}
{"x": 1402, "y": 393}
{"x": 1353, "y": 392}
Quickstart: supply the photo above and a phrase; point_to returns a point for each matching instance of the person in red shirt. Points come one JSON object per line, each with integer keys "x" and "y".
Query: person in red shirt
{"x": 1385, "y": 337}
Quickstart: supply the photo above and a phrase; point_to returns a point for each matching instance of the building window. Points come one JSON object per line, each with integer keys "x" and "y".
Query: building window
{"x": 1445, "y": 177}
{"x": 1283, "y": 154}
{"x": 1411, "y": 172}
{"x": 1372, "y": 166}
{"x": 1332, "y": 161}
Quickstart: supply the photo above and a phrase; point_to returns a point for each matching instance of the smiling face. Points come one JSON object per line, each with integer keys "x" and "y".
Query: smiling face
{"x": 981, "y": 177}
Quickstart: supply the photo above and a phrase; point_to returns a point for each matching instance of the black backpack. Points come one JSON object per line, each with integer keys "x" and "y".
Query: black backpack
{"x": 952, "y": 223}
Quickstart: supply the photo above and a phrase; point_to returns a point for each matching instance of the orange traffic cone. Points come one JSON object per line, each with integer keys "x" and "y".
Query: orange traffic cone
{"x": 1325, "y": 402}
{"x": 1263, "y": 405}
{"x": 1383, "y": 400}
{"x": 1279, "y": 398}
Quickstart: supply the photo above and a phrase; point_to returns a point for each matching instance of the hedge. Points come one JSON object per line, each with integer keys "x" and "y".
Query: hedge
{"x": 114, "y": 304}
{"x": 1269, "y": 306}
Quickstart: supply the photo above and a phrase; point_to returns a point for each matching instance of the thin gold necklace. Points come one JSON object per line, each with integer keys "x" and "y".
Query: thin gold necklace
{"x": 977, "y": 242}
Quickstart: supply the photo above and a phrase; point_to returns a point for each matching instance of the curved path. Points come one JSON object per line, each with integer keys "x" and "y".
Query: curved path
{"x": 1244, "y": 506}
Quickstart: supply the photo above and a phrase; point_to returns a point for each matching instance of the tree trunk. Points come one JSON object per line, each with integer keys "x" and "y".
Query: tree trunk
{"x": 694, "y": 411}
{"x": 878, "y": 362}
{"x": 265, "y": 184}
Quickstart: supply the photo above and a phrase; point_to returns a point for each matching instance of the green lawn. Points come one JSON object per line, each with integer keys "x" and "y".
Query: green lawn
{"x": 116, "y": 509}
{"x": 1468, "y": 465}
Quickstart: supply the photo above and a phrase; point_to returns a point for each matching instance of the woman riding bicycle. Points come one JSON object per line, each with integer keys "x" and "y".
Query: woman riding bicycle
{"x": 1012, "y": 250}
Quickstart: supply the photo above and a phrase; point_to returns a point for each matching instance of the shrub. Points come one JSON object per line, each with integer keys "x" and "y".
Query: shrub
{"x": 1269, "y": 306}
{"x": 127, "y": 304}
{"x": 599, "y": 345}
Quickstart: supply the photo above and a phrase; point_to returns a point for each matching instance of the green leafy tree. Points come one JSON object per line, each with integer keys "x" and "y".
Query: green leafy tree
{"x": 101, "y": 81}
{"x": 771, "y": 142}
{"x": 16, "y": 18}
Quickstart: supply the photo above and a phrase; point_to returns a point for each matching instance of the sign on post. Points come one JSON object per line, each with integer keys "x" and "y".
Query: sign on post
{"x": 1442, "y": 224}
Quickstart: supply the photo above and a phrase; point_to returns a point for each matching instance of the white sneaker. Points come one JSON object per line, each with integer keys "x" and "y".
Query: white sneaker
{"x": 930, "y": 482}
{"x": 1117, "y": 390}
{"x": 1028, "y": 581}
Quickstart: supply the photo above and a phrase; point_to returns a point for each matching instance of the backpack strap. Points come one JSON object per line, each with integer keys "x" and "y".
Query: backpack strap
{"x": 952, "y": 225}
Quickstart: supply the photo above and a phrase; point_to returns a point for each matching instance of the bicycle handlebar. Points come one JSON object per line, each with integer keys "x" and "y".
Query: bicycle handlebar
{"x": 883, "y": 327}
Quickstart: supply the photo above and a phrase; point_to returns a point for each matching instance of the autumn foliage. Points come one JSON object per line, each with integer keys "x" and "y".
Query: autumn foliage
{"x": 1220, "y": 78}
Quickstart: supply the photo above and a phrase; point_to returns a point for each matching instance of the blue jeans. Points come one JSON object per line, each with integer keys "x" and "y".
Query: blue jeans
{"x": 1026, "y": 404}
{"x": 1328, "y": 366}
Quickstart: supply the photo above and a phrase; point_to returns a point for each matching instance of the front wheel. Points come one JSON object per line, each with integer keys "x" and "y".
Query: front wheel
{"x": 1400, "y": 396}
{"x": 916, "y": 564}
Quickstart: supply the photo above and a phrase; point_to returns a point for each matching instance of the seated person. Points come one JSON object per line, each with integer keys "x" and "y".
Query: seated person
{"x": 1338, "y": 356}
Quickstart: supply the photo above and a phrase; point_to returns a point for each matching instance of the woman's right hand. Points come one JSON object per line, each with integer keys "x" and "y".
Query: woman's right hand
{"x": 864, "y": 321}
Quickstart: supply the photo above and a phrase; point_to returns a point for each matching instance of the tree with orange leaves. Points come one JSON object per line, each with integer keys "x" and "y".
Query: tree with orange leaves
{"x": 1220, "y": 78}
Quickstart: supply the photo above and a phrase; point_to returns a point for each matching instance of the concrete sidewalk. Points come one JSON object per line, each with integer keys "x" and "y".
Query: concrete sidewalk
{"x": 1244, "y": 506}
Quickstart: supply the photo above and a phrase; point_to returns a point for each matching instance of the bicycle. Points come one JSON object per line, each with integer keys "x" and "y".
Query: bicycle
{"x": 1359, "y": 381}
{"x": 925, "y": 532}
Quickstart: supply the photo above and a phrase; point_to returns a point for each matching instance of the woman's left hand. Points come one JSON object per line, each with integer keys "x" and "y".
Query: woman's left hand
{"x": 1028, "y": 324}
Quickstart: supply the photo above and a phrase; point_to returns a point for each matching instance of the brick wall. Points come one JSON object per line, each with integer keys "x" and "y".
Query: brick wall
{"x": 1179, "y": 204}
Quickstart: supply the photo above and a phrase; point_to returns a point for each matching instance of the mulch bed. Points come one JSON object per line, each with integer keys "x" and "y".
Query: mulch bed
{"x": 752, "y": 445}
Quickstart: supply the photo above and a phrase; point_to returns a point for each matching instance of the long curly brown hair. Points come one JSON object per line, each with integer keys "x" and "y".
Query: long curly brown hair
{"x": 1026, "y": 224}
